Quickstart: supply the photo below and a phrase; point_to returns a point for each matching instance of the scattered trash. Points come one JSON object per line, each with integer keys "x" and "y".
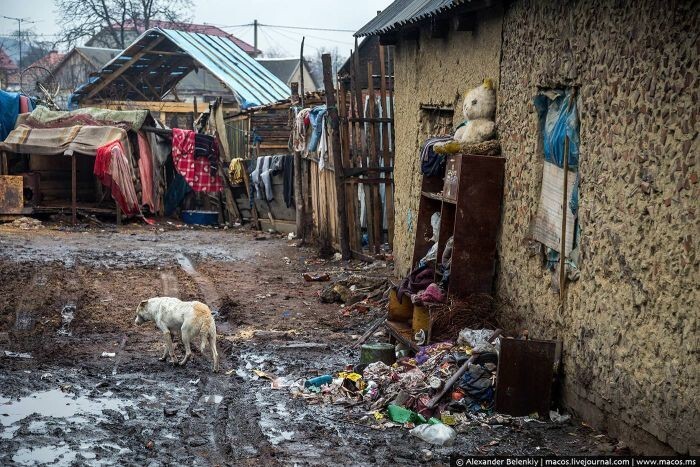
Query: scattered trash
{"x": 108, "y": 354}
{"x": 317, "y": 278}
{"x": 194, "y": 382}
{"x": 318, "y": 381}
{"x": 11, "y": 354}
{"x": 439, "y": 434}
{"x": 403, "y": 415}
{"x": 169, "y": 412}
{"x": 380, "y": 352}
{"x": 27, "y": 223}
{"x": 291, "y": 236}
{"x": 287, "y": 260}
{"x": 337, "y": 257}
{"x": 556, "y": 417}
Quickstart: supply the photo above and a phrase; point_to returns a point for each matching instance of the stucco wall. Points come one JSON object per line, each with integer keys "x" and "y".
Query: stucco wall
{"x": 629, "y": 325}
{"x": 437, "y": 71}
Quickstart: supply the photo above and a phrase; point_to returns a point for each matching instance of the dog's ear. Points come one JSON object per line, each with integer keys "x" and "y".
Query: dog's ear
{"x": 142, "y": 304}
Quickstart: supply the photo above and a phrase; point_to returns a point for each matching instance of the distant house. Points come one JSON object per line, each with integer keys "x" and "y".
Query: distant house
{"x": 132, "y": 30}
{"x": 76, "y": 67}
{"x": 288, "y": 71}
{"x": 148, "y": 73}
{"x": 48, "y": 61}
{"x": 367, "y": 51}
{"x": 7, "y": 68}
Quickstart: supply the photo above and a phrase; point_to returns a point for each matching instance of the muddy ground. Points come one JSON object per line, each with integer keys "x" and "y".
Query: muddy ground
{"x": 68, "y": 295}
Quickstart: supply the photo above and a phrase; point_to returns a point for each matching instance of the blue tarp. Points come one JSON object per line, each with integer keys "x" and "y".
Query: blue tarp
{"x": 9, "y": 110}
{"x": 558, "y": 118}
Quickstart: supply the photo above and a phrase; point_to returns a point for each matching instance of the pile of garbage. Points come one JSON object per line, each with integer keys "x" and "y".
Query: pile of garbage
{"x": 443, "y": 385}
{"x": 354, "y": 288}
{"x": 27, "y": 223}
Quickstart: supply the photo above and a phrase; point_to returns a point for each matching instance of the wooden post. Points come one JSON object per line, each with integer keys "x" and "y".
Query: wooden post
{"x": 74, "y": 188}
{"x": 337, "y": 160}
{"x": 195, "y": 112}
{"x": 565, "y": 202}
{"x": 301, "y": 73}
{"x": 389, "y": 185}
{"x": 299, "y": 204}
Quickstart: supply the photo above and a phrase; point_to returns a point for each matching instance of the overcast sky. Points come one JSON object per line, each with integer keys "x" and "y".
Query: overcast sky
{"x": 330, "y": 14}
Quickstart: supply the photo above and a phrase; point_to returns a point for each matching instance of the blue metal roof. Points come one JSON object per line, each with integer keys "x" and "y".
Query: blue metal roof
{"x": 159, "y": 58}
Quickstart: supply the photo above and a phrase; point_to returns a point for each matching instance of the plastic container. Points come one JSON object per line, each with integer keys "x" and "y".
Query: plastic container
{"x": 381, "y": 352}
{"x": 421, "y": 319}
{"x": 318, "y": 381}
{"x": 399, "y": 310}
{"x": 400, "y": 414}
{"x": 200, "y": 217}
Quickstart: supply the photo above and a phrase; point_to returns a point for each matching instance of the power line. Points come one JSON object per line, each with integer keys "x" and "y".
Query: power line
{"x": 292, "y": 39}
{"x": 316, "y": 37}
{"x": 306, "y": 29}
{"x": 284, "y": 27}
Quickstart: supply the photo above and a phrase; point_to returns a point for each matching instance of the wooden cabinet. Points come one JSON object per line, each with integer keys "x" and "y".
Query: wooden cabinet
{"x": 469, "y": 200}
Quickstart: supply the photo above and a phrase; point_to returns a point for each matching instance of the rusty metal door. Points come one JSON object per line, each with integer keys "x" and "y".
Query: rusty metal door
{"x": 525, "y": 372}
{"x": 11, "y": 194}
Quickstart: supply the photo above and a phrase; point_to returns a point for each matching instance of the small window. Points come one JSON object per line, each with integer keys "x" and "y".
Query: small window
{"x": 556, "y": 220}
{"x": 435, "y": 120}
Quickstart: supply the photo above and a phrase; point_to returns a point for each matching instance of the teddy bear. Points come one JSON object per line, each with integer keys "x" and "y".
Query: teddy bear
{"x": 479, "y": 109}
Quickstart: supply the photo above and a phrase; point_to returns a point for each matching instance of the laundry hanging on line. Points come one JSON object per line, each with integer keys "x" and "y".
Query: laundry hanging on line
{"x": 113, "y": 169}
{"x": 197, "y": 171}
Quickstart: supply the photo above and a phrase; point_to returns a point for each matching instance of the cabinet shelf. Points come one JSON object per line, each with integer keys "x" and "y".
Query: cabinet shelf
{"x": 438, "y": 197}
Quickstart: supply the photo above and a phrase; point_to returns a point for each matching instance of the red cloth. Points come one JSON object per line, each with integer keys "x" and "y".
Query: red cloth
{"x": 23, "y": 104}
{"x": 194, "y": 170}
{"x": 146, "y": 172}
{"x": 113, "y": 170}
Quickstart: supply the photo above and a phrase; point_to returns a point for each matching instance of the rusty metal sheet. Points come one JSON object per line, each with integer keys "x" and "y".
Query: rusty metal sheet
{"x": 11, "y": 197}
{"x": 525, "y": 372}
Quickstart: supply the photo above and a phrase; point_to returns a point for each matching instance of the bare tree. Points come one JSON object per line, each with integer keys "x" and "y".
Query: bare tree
{"x": 83, "y": 19}
{"x": 316, "y": 65}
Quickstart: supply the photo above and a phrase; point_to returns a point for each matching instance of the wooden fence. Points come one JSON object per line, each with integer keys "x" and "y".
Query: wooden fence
{"x": 353, "y": 201}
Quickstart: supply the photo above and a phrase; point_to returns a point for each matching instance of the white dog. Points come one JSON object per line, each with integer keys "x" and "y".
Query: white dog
{"x": 192, "y": 319}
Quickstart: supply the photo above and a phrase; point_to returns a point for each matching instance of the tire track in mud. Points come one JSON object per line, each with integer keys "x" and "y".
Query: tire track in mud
{"x": 233, "y": 424}
{"x": 25, "y": 312}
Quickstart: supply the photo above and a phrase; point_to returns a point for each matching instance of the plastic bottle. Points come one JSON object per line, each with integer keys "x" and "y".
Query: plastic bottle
{"x": 318, "y": 381}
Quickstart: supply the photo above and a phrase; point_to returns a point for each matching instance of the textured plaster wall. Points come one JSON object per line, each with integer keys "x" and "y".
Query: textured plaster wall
{"x": 437, "y": 71}
{"x": 630, "y": 324}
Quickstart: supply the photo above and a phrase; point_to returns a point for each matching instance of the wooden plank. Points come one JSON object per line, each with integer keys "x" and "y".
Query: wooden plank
{"x": 74, "y": 190}
{"x": 125, "y": 66}
{"x": 342, "y": 236}
{"x": 345, "y": 153}
{"x": 155, "y": 106}
{"x": 387, "y": 111}
{"x": 375, "y": 206}
{"x": 564, "y": 208}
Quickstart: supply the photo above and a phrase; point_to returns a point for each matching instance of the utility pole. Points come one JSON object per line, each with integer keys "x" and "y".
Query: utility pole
{"x": 255, "y": 36}
{"x": 19, "y": 35}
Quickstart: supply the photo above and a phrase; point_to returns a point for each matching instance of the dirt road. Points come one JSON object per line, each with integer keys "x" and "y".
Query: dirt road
{"x": 68, "y": 296}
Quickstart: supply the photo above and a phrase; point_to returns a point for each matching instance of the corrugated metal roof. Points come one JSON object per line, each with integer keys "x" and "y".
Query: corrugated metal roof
{"x": 403, "y": 12}
{"x": 158, "y": 69}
